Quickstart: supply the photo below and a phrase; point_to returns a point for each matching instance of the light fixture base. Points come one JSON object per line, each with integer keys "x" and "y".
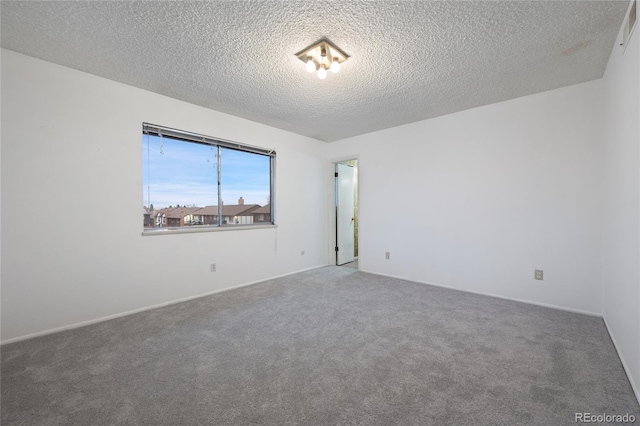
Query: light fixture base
{"x": 323, "y": 54}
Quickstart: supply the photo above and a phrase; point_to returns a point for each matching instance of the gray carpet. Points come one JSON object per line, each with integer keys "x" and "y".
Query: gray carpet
{"x": 353, "y": 264}
{"x": 332, "y": 346}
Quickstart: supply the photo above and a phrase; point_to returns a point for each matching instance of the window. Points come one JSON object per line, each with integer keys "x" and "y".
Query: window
{"x": 194, "y": 181}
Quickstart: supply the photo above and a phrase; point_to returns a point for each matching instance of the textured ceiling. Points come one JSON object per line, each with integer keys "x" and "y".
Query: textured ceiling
{"x": 410, "y": 60}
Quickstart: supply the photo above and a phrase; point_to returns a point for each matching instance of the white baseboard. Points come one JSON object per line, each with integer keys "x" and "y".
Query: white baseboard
{"x": 497, "y": 296}
{"x": 146, "y": 308}
{"x": 634, "y": 386}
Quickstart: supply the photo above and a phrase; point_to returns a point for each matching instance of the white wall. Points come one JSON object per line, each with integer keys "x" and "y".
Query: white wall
{"x": 487, "y": 195}
{"x": 621, "y": 253}
{"x": 72, "y": 249}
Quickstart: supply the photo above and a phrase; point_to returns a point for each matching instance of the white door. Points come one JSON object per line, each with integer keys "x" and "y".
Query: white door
{"x": 345, "y": 220}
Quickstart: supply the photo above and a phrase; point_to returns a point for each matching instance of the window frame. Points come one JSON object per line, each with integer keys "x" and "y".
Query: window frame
{"x": 190, "y": 137}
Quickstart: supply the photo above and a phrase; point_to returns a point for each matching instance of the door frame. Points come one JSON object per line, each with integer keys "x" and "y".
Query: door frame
{"x": 331, "y": 210}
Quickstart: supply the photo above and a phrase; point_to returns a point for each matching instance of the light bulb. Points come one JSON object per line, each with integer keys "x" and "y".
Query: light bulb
{"x": 335, "y": 67}
{"x": 311, "y": 66}
{"x": 322, "y": 73}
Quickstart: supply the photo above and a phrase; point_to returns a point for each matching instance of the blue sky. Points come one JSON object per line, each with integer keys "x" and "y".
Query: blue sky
{"x": 184, "y": 173}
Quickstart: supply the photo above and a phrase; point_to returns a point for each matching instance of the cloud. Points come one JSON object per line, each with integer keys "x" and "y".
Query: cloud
{"x": 186, "y": 173}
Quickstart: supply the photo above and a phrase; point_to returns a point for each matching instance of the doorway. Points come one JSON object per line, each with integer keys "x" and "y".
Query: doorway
{"x": 346, "y": 201}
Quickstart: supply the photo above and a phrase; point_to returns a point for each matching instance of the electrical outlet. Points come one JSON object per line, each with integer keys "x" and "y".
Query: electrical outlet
{"x": 213, "y": 267}
{"x": 387, "y": 255}
{"x": 538, "y": 274}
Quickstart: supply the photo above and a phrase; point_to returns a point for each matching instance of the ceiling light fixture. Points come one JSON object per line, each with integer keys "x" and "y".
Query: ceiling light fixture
{"x": 321, "y": 56}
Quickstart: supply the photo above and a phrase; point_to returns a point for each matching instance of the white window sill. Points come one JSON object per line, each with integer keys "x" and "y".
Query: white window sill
{"x": 189, "y": 230}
